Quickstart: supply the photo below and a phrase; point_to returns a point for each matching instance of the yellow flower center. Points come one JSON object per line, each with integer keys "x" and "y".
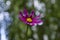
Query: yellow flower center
{"x": 29, "y": 19}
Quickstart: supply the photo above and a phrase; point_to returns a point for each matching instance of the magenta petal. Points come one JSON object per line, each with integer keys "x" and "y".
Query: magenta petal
{"x": 39, "y": 21}
{"x": 37, "y": 17}
{"x": 20, "y": 14}
{"x": 36, "y": 20}
{"x": 25, "y": 12}
{"x": 32, "y": 24}
{"x": 23, "y": 19}
{"x": 32, "y": 13}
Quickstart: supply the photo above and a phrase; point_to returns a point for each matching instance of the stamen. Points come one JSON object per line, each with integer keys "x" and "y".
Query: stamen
{"x": 29, "y": 19}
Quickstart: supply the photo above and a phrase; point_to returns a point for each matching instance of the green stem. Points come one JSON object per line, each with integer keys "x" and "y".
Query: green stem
{"x": 26, "y": 33}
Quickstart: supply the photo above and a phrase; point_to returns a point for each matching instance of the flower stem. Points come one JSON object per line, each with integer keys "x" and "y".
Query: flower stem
{"x": 26, "y": 33}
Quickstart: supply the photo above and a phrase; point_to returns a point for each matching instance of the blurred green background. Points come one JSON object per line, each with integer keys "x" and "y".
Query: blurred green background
{"x": 50, "y": 30}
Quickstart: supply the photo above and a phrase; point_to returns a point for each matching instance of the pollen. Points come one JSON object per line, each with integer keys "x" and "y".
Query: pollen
{"x": 29, "y": 19}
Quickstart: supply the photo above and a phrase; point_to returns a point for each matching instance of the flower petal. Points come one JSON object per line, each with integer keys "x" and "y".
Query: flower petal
{"x": 37, "y": 17}
{"x": 37, "y": 21}
{"x": 20, "y": 14}
{"x": 25, "y": 12}
{"x": 41, "y": 22}
{"x": 23, "y": 19}
{"x": 32, "y": 24}
{"x": 32, "y": 13}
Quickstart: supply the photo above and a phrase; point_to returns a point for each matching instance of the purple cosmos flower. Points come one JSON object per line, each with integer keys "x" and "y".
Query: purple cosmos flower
{"x": 30, "y": 19}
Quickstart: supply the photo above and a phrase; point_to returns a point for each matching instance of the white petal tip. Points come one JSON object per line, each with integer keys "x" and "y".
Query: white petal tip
{"x": 40, "y": 23}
